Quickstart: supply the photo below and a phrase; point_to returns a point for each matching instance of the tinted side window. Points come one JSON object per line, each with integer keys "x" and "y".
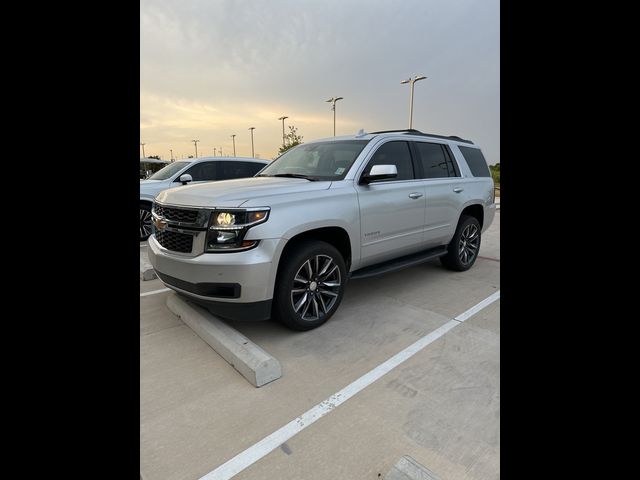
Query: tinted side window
{"x": 227, "y": 170}
{"x": 252, "y": 168}
{"x": 436, "y": 163}
{"x": 394, "y": 153}
{"x": 475, "y": 160}
{"x": 204, "y": 171}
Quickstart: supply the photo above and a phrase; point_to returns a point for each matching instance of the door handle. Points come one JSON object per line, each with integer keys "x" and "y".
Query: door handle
{"x": 458, "y": 189}
{"x": 415, "y": 195}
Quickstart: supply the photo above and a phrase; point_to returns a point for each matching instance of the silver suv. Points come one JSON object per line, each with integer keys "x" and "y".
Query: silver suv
{"x": 284, "y": 243}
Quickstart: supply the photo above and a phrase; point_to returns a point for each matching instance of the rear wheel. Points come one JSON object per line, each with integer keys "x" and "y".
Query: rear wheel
{"x": 310, "y": 285}
{"x": 145, "y": 221}
{"x": 465, "y": 245}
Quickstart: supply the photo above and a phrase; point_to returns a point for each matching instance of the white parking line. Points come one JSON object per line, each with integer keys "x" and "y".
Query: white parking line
{"x": 277, "y": 438}
{"x": 143, "y": 245}
{"x": 478, "y": 306}
{"x": 153, "y": 292}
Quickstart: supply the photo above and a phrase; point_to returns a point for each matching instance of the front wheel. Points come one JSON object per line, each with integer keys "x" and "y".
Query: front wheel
{"x": 145, "y": 221}
{"x": 310, "y": 285}
{"x": 465, "y": 245}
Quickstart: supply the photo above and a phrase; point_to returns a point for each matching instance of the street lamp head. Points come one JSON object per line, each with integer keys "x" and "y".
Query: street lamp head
{"x": 405, "y": 81}
{"x": 283, "y": 118}
{"x": 421, "y": 77}
{"x": 339, "y": 98}
{"x": 252, "y": 128}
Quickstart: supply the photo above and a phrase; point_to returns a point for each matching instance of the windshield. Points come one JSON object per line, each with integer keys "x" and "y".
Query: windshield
{"x": 168, "y": 171}
{"x": 316, "y": 161}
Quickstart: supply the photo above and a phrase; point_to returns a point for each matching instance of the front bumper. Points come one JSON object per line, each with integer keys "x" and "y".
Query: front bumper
{"x": 236, "y": 285}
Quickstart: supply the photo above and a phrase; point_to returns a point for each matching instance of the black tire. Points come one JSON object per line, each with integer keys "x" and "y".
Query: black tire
{"x": 297, "y": 286}
{"x": 465, "y": 245}
{"x": 145, "y": 220}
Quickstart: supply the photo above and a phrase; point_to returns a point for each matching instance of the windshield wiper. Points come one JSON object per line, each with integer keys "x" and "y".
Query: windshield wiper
{"x": 291, "y": 175}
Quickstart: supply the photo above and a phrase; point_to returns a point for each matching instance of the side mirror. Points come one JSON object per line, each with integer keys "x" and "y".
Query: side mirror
{"x": 380, "y": 172}
{"x": 186, "y": 178}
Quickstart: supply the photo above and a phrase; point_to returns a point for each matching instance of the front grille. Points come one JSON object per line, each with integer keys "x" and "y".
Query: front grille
{"x": 175, "y": 241}
{"x": 176, "y": 214}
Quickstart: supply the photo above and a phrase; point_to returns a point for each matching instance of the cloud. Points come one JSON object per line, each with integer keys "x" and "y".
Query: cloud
{"x": 209, "y": 67}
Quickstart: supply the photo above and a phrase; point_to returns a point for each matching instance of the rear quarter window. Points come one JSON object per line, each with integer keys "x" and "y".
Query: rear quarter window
{"x": 475, "y": 160}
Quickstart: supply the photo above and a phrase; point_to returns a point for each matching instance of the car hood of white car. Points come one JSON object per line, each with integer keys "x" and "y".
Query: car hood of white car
{"x": 153, "y": 186}
{"x": 233, "y": 193}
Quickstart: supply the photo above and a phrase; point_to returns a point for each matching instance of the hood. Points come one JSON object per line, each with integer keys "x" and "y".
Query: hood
{"x": 233, "y": 193}
{"x": 151, "y": 183}
{"x": 153, "y": 186}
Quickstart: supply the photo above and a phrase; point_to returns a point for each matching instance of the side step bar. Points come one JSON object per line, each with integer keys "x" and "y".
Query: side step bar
{"x": 399, "y": 263}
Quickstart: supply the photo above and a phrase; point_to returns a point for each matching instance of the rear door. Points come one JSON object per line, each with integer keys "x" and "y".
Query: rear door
{"x": 443, "y": 187}
{"x": 391, "y": 211}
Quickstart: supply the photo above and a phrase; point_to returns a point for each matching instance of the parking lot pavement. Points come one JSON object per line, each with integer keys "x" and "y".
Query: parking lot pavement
{"x": 151, "y": 285}
{"x": 441, "y": 406}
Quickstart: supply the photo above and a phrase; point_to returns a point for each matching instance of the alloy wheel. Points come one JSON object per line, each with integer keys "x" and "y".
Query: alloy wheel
{"x": 145, "y": 223}
{"x": 469, "y": 243}
{"x": 316, "y": 287}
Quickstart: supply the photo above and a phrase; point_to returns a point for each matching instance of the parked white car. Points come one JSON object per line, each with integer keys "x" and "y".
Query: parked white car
{"x": 192, "y": 171}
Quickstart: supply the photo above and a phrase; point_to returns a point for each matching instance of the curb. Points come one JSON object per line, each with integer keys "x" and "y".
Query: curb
{"x": 253, "y": 363}
{"x": 146, "y": 270}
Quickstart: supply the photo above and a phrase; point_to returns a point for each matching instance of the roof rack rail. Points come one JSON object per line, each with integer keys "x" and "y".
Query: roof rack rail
{"x": 412, "y": 131}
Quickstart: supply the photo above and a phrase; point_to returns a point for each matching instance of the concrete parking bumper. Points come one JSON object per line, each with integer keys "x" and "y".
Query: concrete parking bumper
{"x": 253, "y": 363}
{"x": 146, "y": 270}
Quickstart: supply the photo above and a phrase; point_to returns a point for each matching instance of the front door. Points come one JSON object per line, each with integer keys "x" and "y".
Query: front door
{"x": 392, "y": 211}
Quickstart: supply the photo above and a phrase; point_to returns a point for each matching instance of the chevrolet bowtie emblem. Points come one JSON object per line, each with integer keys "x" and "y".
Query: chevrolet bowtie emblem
{"x": 160, "y": 223}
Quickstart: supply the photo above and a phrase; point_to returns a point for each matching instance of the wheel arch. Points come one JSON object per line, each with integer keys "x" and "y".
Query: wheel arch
{"x": 333, "y": 235}
{"x": 475, "y": 210}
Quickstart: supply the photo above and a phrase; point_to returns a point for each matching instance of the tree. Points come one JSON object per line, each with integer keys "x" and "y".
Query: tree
{"x": 157, "y": 157}
{"x": 495, "y": 173}
{"x": 291, "y": 139}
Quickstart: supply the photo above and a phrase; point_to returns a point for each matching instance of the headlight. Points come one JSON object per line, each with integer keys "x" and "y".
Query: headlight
{"x": 227, "y": 229}
{"x": 225, "y": 218}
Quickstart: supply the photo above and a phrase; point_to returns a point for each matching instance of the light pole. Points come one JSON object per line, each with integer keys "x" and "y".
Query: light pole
{"x": 234, "y": 144}
{"x": 283, "y": 119}
{"x": 143, "y": 144}
{"x": 171, "y": 155}
{"x": 411, "y": 81}
{"x": 214, "y": 151}
{"x": 333, "y": 107}
{"x": 195, "y": 142}
{"x": 252, "y": 129}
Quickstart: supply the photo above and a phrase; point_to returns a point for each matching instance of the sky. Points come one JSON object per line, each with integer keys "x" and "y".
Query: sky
{"x": 213, "y": 68}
